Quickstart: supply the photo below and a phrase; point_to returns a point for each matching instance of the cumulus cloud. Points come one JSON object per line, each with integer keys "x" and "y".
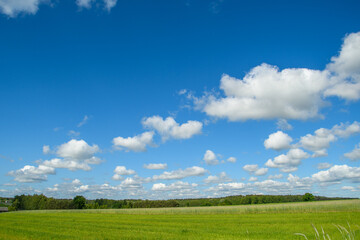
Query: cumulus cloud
{"x": 346, "y": 67}
{"x": 320, "y": 141}
{"x": 120, "y": 171}
{"x": 254, "y": 169}
{"x": 136, "y": 144}
{"x": 169, "y": 128}
{"x": 220, "y": 178}
{"x": 288, "y": 162}
{"x": 155, "y": 166}
{"x": 108, "y": 4}
{"x": 266, "y": 92}
{"x": 180, "y": 173}
{"x": 74, "y": 155}
{"x": 354, "y": 155}
{"x": 210, "y": 158}
{"x": 278, "y": 141}
{"x": 337, "y": 173}
{"x": 29, "y": 174}
{"x": 231, "y": 159}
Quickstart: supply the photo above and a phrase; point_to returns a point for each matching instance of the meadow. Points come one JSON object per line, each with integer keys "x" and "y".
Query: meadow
{"x": 265, "y": 221}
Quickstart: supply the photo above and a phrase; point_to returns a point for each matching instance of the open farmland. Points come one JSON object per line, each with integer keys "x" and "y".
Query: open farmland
{"x": 270, "y": 221}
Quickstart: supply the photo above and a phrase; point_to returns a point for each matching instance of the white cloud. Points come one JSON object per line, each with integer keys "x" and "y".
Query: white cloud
{"x": 320, "y": 141}
{"x": 169, "y": 128}
{"x": 74, "y": 155}
{"x": 131, "y": 183}
{"x": 77, "y": 149}
{"x": 288, "y": 162}
{"x": 253, "y": 179}
{"x": 46, "y": 149}
{"x": 109, "y": 4}
{"x": 354, "y": 155}
{"x": 176, "y": 186}
{"x": 29, "y": 174}
{"x": 210, "y": 158}
{"x": 120, "y": 171}
{"x": 180, "y": 173}
{"x": 254, "y": 169}
{"x": 267, "y": 93}
{"x": 231, "y": 186}
{"x": 13, "y": 7}
{"x": 282, "y": 124}
{"x": 350, "y": 188}
{"x": 277, "y": 176}
{"x": 292, "y": 93}
{"x": 155, "y": 166}
{"x": 278, "y": 141}
{"x": 231, "y": 159}
{"x": 84, "y": 4}
{"x": 338, "y": 173}
{"x": 346, "y": 68}
{"x": 222, "y": 177}
{"x": 86, "y": 118}
{"x": 68, "y": 164}
{"x": 324, "y": 165}
{"x": 136, "y": 144}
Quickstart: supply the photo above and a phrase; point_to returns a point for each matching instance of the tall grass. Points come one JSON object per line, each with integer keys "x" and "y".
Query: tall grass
{"x": 346, "y": 234}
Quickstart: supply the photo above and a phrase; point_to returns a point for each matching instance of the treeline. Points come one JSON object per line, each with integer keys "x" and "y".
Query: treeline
{"x": 41, "y": 202}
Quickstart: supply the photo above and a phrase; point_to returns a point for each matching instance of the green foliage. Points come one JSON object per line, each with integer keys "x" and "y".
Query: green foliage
{"x": 79, "y": 202}
{"x": 308, "y": 197}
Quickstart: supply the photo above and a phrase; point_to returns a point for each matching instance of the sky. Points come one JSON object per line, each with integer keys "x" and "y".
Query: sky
{"x": 179, "y": 99}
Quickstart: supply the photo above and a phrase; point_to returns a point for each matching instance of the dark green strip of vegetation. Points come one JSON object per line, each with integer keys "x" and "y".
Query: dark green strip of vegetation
{"x": 41, "y": 202}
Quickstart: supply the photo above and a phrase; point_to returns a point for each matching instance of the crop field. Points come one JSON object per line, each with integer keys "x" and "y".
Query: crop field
{"x": 268, "y": 221}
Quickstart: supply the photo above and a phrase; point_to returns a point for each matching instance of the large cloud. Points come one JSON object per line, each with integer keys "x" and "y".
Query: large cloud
{"x": 320, "y": 141}
{"x": 120, "y": 171}
{"x": 266, "y": 92}
{"x": 169, "y": 128}
{"x": 278, "y": 141}
{"x": 337, "y": 174}
{"x": 137, "y": 143}
{"x": 288, "y": 162}
{"x": 30, "y": 174}
{"x": 74, "y": 155}
{"x": 354, "y": 155}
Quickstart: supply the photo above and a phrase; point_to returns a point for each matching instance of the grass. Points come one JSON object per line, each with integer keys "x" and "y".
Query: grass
{"x": 270, "y": 221}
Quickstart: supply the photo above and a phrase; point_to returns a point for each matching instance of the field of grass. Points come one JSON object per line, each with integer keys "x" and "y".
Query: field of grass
{"x": 270, "y": 221}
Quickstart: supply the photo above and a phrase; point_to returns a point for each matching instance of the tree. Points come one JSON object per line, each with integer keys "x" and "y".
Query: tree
{"x": 79, "y": 202}
{"x": 308, "y": 197}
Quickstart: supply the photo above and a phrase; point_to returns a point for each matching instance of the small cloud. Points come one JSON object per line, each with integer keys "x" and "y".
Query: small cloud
{"x": 155, "y": 166}
{"x": 231, "y": 159}
{"x": 46, "y": 149}
{"x": 73, "y": 134}
{"x": 282, "y": 124}
{"x": 324, "y": 165}
{"x": 84, "y": 121}
{"x": 210, "y": 158}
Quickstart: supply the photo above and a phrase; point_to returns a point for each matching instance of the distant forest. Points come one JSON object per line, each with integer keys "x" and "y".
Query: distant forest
{"x": 41, "y": 202}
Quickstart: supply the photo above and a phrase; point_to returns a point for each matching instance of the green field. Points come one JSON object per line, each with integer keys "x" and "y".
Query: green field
{"x": 270, "y": 221}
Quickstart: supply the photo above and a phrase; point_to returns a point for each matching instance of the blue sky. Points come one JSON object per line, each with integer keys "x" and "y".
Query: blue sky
{"x": 177, "y": 99}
